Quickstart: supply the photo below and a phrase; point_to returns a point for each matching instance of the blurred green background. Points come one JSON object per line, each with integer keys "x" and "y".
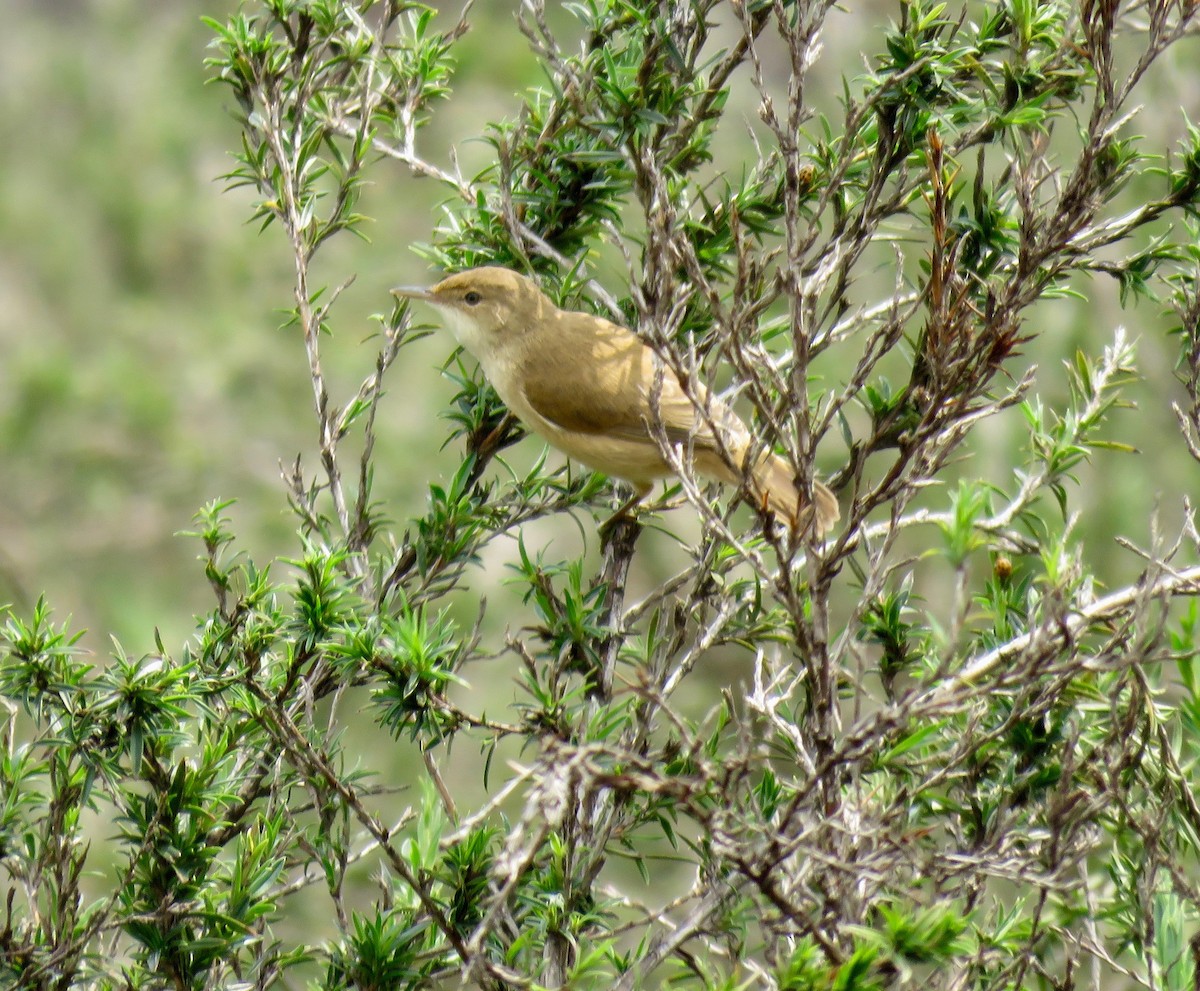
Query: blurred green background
{"x": 143, "y": 370}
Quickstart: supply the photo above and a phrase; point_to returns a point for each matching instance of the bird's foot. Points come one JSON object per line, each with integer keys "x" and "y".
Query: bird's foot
{"x": 623, "y": 524}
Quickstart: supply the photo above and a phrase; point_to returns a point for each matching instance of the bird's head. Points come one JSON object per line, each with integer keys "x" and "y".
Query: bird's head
{"x": 484, "y": 307}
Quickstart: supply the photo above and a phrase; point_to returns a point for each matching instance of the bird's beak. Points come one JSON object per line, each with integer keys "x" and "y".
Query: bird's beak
{"x": 413, "y": 292}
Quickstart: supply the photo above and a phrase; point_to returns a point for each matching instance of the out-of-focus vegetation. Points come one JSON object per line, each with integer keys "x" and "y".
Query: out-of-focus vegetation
{"x": 142, "y": 368}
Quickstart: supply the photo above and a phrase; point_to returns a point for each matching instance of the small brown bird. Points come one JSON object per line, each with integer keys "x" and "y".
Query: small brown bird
{"x": 593, "y": 390}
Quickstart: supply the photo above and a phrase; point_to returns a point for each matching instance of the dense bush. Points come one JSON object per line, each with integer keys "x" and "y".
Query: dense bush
{"x": 958, "y": 758}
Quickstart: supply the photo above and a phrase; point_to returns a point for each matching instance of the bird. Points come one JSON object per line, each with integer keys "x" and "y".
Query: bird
{"x": 595, "y": 391}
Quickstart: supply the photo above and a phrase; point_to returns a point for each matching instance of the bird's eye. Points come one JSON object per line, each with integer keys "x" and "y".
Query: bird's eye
{"x": 472, "y": 298}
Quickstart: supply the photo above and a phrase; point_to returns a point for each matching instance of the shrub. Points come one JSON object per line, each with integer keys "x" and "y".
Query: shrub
{"x": 958, "y": 758}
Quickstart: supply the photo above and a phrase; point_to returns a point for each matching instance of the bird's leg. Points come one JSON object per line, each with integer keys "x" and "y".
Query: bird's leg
{"x": 489, "y": 439}
{"x": 624, "y": 514}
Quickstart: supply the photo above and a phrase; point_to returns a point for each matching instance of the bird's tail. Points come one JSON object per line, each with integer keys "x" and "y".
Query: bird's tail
{"x": 774, "y": 484}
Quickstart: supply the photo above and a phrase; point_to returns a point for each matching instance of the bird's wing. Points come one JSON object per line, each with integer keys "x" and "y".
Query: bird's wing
{"x": 594, "y": 393}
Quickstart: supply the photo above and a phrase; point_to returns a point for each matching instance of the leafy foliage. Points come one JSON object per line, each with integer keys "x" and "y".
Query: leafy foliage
{"x": 955, "y": 761}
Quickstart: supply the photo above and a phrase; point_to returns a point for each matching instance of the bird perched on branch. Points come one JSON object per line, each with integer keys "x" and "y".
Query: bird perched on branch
{"x": 596, "y": 392}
